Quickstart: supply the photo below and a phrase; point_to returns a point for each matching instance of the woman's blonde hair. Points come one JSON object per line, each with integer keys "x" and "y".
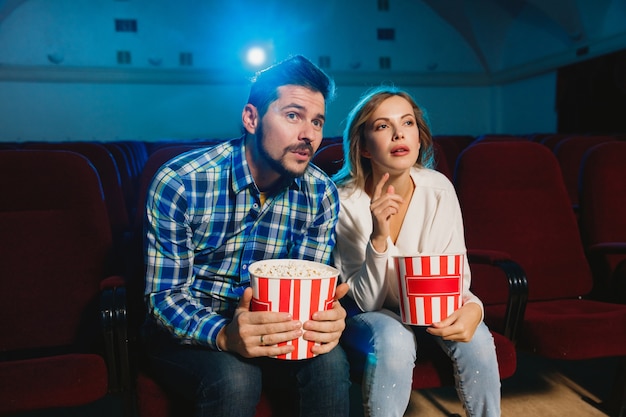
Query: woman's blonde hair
{"x": 357, "y": 168}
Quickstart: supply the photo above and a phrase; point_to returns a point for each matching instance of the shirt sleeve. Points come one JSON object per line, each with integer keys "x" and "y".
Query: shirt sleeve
{"x": 169, "y": 256}
{"x": 361, "y": 266}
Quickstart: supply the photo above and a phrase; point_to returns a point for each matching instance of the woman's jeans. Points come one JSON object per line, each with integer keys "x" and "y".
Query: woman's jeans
{"x": 385, "y": 350}
{"x": 226, "y": 384}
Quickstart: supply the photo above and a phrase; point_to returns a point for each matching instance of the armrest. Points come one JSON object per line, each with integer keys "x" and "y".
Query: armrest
{"x": 607, "y": 248}
{"x": 114, "y": 324}
{"x": 517, "y": 285}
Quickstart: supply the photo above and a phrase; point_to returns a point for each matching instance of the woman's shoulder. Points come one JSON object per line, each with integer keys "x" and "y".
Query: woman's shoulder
{"x": 430, "y": 178}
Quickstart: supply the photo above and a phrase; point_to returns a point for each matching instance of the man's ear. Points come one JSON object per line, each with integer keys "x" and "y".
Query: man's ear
{"x": 250, "y": 118}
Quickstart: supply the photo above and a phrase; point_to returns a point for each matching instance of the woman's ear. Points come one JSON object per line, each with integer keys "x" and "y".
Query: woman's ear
{"x": 250, "y": 118}
{"x": 365, "y": 153}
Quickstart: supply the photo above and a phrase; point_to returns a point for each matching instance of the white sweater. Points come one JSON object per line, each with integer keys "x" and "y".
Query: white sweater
{"x": 433, "y": 225}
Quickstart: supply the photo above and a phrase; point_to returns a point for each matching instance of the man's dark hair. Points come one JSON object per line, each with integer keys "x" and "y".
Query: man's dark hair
{"x": 295, "y": 70}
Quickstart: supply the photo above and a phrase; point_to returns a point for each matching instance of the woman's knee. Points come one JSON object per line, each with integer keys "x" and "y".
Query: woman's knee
{"x": 390, "y": 339}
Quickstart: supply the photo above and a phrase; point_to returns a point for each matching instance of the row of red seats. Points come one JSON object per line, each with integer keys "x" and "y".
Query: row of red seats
{"x": 511, "y": 309}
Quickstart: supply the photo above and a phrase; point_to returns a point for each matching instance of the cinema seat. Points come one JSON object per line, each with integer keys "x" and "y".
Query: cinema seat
{"x": 602, "y": 216}
{"x": 514, "y": 201}
{"x": 58, "y": 307}
{"x": 569, "y": 152}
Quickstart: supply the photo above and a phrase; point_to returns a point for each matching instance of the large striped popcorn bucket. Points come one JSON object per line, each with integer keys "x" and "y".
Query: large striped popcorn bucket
{"x": 430, "y": 287}
{"x": 293, "y": 286}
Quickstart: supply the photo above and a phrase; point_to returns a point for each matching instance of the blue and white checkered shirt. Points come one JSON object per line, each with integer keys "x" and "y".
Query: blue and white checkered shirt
{"x": 205, "y": 225}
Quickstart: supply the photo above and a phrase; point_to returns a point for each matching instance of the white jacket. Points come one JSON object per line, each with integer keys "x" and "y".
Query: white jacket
{"x": 433, "y": 225}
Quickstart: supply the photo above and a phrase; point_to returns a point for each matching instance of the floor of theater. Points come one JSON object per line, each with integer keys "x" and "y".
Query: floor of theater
{"x": 540, "y": 387}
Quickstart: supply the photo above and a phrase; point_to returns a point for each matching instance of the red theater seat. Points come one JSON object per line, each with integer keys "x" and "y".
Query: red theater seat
{"x": 602, "y": 216}
{"x": 58, "y": 300}
{"x": 514, "y": 201}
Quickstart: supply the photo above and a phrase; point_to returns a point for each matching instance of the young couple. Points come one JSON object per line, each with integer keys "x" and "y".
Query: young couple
{"x": 211, "y": 212}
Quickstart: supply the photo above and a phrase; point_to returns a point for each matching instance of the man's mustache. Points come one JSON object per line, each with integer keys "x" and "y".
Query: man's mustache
{"x": 301, "y": 147}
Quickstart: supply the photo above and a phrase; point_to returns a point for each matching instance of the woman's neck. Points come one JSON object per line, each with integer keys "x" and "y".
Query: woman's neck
{"x": 402, "y": 184}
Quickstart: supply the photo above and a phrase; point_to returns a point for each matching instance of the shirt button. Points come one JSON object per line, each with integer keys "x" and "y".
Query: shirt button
{"x": 245, "y": 267}
{"x": 255, "y": 205}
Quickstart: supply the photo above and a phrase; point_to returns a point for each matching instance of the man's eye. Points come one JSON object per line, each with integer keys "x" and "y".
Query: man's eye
{"x": 292, "y": 116}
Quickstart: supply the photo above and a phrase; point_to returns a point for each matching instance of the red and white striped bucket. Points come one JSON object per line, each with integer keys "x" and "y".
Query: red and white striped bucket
{"x": 430, "y": 287}
{"x": 301, "y": 296}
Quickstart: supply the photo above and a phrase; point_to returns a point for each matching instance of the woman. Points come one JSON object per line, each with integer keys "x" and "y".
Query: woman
{"x": 393, "y": 203}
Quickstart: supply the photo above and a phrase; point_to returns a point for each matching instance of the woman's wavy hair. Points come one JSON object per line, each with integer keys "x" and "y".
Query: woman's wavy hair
{"x": 357, "y": 168}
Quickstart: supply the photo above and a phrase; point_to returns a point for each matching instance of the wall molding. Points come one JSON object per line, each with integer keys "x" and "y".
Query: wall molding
{"x": 126, "y": 75}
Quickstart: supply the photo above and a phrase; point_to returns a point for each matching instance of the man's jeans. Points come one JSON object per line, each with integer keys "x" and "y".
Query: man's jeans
{"x": 226, "y": 384}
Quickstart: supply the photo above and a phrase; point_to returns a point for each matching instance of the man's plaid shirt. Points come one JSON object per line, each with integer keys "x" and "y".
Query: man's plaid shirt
{"x": 205, "y": 225}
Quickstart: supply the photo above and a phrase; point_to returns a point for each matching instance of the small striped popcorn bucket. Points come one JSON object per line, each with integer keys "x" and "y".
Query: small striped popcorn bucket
{"x": 293, "y": 286}
{"x": 430, "y": 287}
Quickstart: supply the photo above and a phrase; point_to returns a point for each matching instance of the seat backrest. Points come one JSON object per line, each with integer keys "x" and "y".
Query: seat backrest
{"x": 513, "y": 200}
{"x": 603, "y": 193}
{"x": 452, "y": 146}
{"x": 441, "y": 161}
{"x": 108, "y": 172}
{"x": 550, "y": 141}
{"x": 55, "y": 244}
{"x": 569, "y": 152}
{"x": 329, "y": 158}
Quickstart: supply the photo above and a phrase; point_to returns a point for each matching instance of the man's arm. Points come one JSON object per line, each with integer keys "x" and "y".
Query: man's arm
{"x": 169, "y": 261}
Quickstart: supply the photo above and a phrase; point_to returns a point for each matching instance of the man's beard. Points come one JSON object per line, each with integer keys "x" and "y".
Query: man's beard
{"x": 277, "y": 164}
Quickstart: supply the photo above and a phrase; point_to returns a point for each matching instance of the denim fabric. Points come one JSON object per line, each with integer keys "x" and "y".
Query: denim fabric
{"x": 384, "y": 350}
{"x": 225, "y": 384}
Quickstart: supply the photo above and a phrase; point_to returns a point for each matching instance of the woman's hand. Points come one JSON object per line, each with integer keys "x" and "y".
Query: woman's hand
{"x": 383, "y": 206}
{"x": 460, "y": 325}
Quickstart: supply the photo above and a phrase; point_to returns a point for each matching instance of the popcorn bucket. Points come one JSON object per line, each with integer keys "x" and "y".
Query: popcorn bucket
{"x": 430, "y": 287}
{"x": 293, "y": 286}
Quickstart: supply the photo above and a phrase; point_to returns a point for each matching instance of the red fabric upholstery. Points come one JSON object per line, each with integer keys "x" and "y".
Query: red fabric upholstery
{"x": 452, "y": 146}
{"x": 329, "y": 158}
{"x": 514, "y": 200}
{"x": 58, "y": 381}
{"x": 109, "y": 175}
{"x": 441, "y": 161}
{"x": 569, "y": 152}
{"x": 55, "y": 244}
{"x": 551, "y": 140}
{"x": 602, "y": 213}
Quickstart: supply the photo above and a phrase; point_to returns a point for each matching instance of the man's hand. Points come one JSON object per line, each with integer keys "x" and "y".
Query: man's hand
{"x": 257, "y": 333}
{"x": 325, "y": 327}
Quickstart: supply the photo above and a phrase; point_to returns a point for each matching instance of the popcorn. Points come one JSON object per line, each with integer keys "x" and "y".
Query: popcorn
{"x": 290, "y": 269}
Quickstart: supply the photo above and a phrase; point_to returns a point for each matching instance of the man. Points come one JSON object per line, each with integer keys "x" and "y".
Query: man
{"x": 210, "y": 214}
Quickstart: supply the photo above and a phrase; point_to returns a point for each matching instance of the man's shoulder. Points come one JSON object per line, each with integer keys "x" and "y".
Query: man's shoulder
{"x": 202, "y": 159}
{"x": 318, "y": 178}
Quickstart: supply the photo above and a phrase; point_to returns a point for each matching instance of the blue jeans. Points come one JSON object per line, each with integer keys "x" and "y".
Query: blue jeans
{"x": 385, "y": 351}
{"x": 226, "y": 384}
